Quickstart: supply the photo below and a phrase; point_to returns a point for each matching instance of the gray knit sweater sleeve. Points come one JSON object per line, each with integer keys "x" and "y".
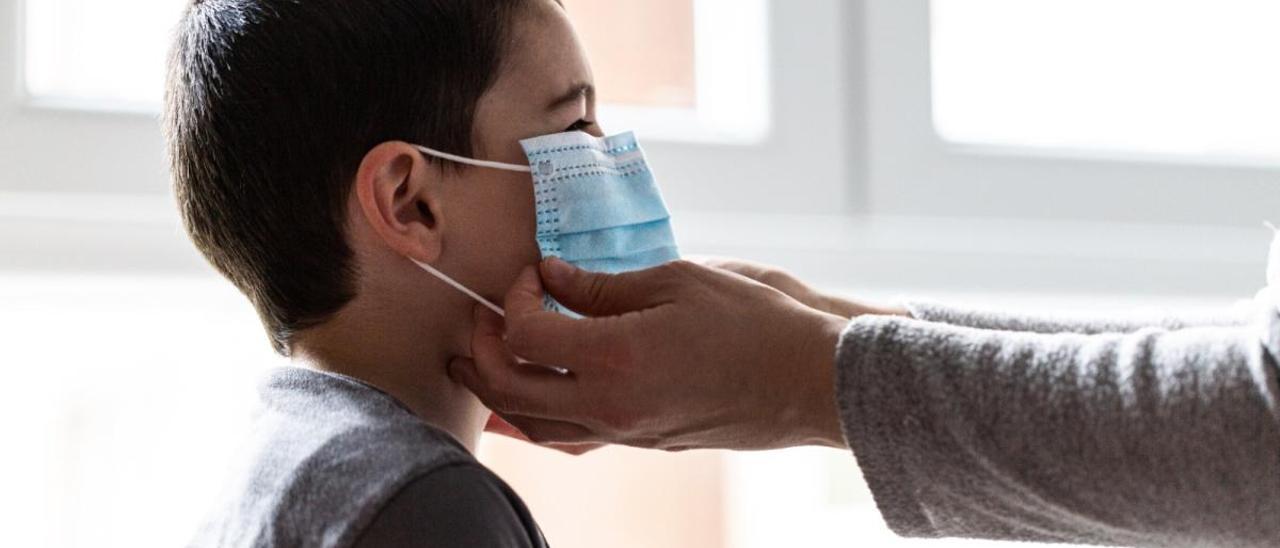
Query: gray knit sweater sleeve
{"x": 1154, "y": 437}
{"x": 1240, "y": 315}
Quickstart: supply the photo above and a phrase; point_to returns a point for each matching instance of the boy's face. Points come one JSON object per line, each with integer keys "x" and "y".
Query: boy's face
{"x": 544, "y": 87}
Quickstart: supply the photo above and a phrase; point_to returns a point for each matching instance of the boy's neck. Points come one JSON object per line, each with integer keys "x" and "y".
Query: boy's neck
{"x": 408, "y": 360}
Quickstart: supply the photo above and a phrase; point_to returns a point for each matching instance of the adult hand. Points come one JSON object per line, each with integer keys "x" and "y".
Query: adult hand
{"x": 677, "y": 357}
{"x": 790, "y": 285}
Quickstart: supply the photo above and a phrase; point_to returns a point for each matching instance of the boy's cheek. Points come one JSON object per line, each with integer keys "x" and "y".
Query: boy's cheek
{"x": 497, "y": 230}
{"x": 511, "y": 246}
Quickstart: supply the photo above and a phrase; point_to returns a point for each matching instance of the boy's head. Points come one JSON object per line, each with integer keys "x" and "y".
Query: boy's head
{"x": 290, "y": 126}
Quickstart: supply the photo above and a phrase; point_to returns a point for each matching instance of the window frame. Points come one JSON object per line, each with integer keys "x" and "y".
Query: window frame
{"x": 731, "y": 75}
{"x": 851, "y": 188}
{"x": 773, "y": 159}
{"x": 869, "y": 67}
{"x": 55, "y": 147}
{"x": 915, "y": 171}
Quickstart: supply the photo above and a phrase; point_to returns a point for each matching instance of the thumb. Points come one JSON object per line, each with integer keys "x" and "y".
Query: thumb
{"x": 600, "y": 294}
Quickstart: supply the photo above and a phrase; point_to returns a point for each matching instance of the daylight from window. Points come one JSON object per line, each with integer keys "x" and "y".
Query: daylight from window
{"x": 1190, "y": 78}
{"x": 114, "y": 52}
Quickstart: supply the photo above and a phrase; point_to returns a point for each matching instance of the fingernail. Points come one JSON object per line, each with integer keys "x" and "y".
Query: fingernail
{"x": 557, "y": 270}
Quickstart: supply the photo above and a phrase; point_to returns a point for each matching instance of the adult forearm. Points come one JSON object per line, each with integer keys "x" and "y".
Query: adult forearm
{"x": 1155, "y": 438}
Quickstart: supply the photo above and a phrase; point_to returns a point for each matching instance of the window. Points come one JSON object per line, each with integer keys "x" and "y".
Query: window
{"x": 108, "y": 54}
{"x": 1190, "y": 78}
{"x": 726, "y": 112}
{"x": 672, "y": 69}
{"x": 1073, "y": 111}
{"x": 649, "y": 61}
{"x": 772, "y": 124}
{"x": 680, "y": 70}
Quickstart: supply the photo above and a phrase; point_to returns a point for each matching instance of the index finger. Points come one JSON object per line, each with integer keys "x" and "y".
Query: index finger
{"x": 548, "y": 337}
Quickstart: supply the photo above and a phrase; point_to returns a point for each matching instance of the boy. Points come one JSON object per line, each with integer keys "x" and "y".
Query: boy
{"x": 291, "y": 127}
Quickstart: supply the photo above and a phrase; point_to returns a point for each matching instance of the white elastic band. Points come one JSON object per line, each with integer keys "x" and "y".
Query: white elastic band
{"x": 446, "y": 279}
{"x": 460, "y": 287}
{"x": 469, "y": 161}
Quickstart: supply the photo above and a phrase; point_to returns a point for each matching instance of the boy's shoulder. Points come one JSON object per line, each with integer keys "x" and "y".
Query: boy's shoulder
{"x": 332, "y": 458}
{"x": 462, "y": 505}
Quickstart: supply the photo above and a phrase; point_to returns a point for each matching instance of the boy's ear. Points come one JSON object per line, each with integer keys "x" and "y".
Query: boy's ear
{"x": 398, "y": 193}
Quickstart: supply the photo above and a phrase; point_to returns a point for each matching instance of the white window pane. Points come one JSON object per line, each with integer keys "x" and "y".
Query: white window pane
{"x": 115, "y": 51}
{"x": 671, "y": 69}
{"x": 1164, "y": 77}
{"x": 100, "y": 52}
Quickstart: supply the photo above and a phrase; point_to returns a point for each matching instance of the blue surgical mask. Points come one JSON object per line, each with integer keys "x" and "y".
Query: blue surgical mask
{"x": 598, "y": 206}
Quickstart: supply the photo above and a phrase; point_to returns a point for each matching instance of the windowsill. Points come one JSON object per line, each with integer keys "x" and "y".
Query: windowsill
{"x": 1037, "y": 152}
{"x": 879, "y": 256}
{"x": 102, "y": 107}
{"x": 956, "y": 256}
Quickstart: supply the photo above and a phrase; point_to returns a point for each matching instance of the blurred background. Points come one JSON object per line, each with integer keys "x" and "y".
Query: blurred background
{"x": 1027, "y": 154}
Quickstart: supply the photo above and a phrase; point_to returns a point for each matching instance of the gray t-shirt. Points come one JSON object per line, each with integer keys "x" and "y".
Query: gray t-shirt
{"x": 333, "y": 462}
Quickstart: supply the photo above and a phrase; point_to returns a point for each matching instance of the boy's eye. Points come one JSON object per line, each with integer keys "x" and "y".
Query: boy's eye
{"x": 580, "y": 125}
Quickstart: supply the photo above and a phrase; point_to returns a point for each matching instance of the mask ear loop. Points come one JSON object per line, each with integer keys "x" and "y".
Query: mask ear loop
{"x": 464, "y": 289}
{"x": 434, "y": 271}
{"x": 454, "y": 283}
{"x": 473, "y": 162}
{"x": 497, "y": 309}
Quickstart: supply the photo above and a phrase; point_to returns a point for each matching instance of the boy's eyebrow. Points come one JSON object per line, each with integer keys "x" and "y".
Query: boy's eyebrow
{"x": 576, "y": 91}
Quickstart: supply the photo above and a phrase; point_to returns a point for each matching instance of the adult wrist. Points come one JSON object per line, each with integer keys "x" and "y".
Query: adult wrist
{"x": 822, "y": 425}
{"x": 850, "y": 309}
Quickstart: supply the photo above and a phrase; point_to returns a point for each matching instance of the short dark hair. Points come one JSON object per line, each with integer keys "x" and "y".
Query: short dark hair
{"x": 271, "y": 106}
